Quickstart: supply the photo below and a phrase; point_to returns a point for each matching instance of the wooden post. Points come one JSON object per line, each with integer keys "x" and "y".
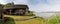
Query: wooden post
{"x": 1, "y": 11}
{"x": 10, "y": 11}
{"x": 26, "y": 11}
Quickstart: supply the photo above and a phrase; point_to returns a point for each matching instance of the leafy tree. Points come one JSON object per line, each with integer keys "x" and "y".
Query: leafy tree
{"x": 9, "y": 4}
{"x": 1, "y": 5}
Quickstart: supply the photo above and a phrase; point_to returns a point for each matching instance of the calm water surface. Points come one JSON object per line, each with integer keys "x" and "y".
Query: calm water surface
{"x": 44, "y": 15}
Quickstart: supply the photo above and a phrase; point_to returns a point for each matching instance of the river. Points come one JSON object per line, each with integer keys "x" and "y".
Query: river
{"x": 45, "y": 14}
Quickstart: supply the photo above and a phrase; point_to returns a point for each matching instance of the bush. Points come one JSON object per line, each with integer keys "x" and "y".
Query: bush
{"x": 55, "y": 19}
{"x": 30, "y": 13}
{"x": 8, "y": 20}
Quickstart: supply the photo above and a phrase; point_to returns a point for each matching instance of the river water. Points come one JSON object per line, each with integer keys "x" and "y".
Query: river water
{"x": 44, "y": 15}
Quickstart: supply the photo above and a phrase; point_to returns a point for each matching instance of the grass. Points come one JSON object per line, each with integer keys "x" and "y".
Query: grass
{"x": 37, "y": 20}
{"x": 8, "y": 20}
{"x": 0, "y": 21}
{"x": 54, "y": 19}
{"x": 31, "y": 21}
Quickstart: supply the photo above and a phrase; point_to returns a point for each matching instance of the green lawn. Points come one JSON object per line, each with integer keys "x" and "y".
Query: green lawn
{"x": 0, "y": 21}
{"x": 54, "y": 19}
{"x": 31, "y": 21}
{"x": 37, "y": 20}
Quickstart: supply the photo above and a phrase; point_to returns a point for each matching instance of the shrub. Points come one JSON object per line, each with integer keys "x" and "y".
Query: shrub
{"x": 30, "y": 13}
{"x": 55, "y": 19}
{"x": 8, "y": 20}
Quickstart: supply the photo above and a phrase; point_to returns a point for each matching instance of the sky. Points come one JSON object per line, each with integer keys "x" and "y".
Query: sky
{"x": 37, "y": 5}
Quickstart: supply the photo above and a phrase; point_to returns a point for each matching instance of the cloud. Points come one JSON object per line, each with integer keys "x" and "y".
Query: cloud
{"x": 33, "y": 2}
{"x": 53, "y": 1}
{"x": 36, "y": 5}
{"x": 20, "y": 1}
{"x": 15, "y": 1}
{"x": 2, "y": 2}
{"x": 5, "y": 1}
{"x": 45, "y": 5}
{"x": 53, "y": 5}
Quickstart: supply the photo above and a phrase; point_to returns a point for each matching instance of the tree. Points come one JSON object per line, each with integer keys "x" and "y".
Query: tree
{"x": 30, "y": 13}
{"x": 1, "y": 5}
{"x": 9, "y": 4}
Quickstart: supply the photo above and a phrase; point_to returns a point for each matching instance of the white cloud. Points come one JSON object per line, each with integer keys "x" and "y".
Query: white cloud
{"x": 51, "y": 5}
{"x": 15, "y": 1}
{"x": 20, "y": 1}
{"x": 53, "y": 1}
{"x": 2, "y": 2}
{"x": 50, "y": 8}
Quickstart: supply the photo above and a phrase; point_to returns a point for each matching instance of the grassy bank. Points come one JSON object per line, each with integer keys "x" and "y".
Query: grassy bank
{"x": 54, "y": 19}
{"x": 37, "y": 20}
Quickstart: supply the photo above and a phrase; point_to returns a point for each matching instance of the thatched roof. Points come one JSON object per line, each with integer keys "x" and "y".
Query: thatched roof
{"x": 17, "y": 6}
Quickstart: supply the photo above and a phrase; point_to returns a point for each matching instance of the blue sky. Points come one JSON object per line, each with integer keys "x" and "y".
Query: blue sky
{"x": 37, "y": 5}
